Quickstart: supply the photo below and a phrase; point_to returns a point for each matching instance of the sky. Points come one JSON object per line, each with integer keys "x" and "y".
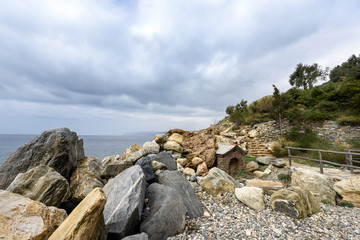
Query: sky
{"x": 120, "y": 66}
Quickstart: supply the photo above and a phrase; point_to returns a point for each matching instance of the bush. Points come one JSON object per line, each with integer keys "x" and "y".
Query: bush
{"x": 349, "y": 120}
{"x": 279, "y": 149}
{"x": 346, "y": 204}
{"x": 284, "y": 177}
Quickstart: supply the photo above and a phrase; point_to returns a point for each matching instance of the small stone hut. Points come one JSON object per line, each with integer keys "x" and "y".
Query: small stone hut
{"x": 230, "y": 158}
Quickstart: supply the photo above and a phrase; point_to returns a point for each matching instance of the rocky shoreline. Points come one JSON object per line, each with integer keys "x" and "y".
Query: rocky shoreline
{"x": 178, "y": 186}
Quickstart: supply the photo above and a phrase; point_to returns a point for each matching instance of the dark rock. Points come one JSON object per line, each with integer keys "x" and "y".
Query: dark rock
{"x": 140, "y": 236}
{"x": 125, "y": 199}
{"x": 111, "y": 170}
{"x": 145, "y": 164}
{"x": 175, "y": 180}
{"x": 59, "y": 148}
{"x": 167, "y": 213}
{"x": 165, "y": 158}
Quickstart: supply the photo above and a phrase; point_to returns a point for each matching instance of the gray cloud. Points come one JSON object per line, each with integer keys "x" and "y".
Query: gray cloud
{"x": 141, "y": 61}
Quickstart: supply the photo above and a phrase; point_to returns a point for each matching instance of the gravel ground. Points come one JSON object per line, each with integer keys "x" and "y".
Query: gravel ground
{"x": 227, "y": 218}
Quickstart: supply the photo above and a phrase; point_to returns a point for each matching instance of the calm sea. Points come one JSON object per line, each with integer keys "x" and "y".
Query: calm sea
{"x": 96, "y": 146}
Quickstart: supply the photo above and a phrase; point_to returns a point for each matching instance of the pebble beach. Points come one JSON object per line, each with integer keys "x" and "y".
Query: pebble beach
{"x": 227, "y": 218}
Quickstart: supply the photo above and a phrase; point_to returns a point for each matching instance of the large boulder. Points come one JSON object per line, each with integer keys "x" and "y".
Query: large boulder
{"x": 23, "y": 218}
{"x": 217, "y": 181}
{"x": 165, "y": 158}
{"x": 125, "y": 199}
{"x": 86, "y": 221}
{"x": 140, "y": 236}
{"x": 160, "y": 138}
{"x": 173, "y": 146}
{"x": 318, "y": 184}
{"x": 268, "y": 186}
{"x": 113, "y": 159}
{"x": 252, "y": 197}
{"x": 145, "y": 164}
{"x": 176, "y": 137}
{"x": 42, "y": 184}
{"x": 85, "y": 178}
{"x": 265, "y": 160}
{"x": 295, "y": 202}
{"x": 59, "y": 148}
{"x": 132, "y": 149}
{"x": 166, "y": 213}
{"x": 251, "y": 166}
{"x": 111, "y": 170}
{"x": 349, "y": 190}
{"x": 147, "y": 148}
{"x": 175, "y": 180}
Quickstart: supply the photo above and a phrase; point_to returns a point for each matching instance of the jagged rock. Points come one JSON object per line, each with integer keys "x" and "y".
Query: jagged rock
{"x": 175, "y": 180}
{"x": 217, "y": 181}
{"x": 202, "y": 169}
{"x": 318, "y": 184}
{"x": 252, "y": 197}
{"x": 295, "y": 202}
{"x": 158, "y": 165}
{"x": 253, "y": 133}
{"x": 86, "y": 221}
{"x": 145, "y": 164}
{"x": 280, "y": 163}
{"x": 23, "y": 218}
{"x": 175, "y": 137}
{"x": 167, "y": 213}
{"x": 251, "y": 166}
{"x": 160, "y": 138}
{"x": 269, "y": 187}
{"x": 182, "y": 161}
{"x": 125, "y": 199}
{"x": 165, "y": 158}
{"x": 59, "y": 148}
{"x": 132, "y": 149}
{"x": 265, "y": 160}
{"x": 114, "y": 159}
{"x": 41, "y": 184}
{"x": 173, "y": 146}
{"x": 189, "y": 171}
{"x": 85, "y": 178}
{"x": 147, "y": 148}
{"x": 112, "y": 170}
{"x": 140, "y": 236}
{"x": 349, "y": 190}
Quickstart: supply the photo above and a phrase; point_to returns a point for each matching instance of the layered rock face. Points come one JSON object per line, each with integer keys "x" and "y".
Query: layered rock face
{"x": 42, "y": 184}
{"x": 23, "y": 218}
{"x": 59, "y": 149}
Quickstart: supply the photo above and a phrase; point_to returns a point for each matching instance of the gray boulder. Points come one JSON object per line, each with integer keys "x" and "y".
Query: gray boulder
{"x": 147, "y": 148}
{"x": 125, "y": 199}
{"x": 42, "y": 184}
{"x": 60, "y": 149}
{"x": 113, "y": 169}
{"x": 145, "y": 164}
{"x": 166, "y": 159}
{"x": 167, "y": 213}
{"x": 140, "y": 236}
{"x": 176, "y": 181}
{"x": 265, "y": 160}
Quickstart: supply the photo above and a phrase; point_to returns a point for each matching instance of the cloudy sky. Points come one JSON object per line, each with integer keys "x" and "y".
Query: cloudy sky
{"x": 116, "y": 66}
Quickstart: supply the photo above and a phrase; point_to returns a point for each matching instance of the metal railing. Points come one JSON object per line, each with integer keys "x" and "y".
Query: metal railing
{"x": 349, "y": 153}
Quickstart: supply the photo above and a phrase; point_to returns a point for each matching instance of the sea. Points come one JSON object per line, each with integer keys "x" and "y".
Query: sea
{"x": 94, "y": 145}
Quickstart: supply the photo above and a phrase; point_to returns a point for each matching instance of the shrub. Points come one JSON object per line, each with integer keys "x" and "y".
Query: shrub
{"x": 349, "y": 120}
{"x": 279, "y": 149}
{"x": 346, "y": 204}
{"x": 284, "y": 177}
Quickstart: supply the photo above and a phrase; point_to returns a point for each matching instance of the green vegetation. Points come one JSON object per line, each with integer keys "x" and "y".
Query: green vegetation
{"x": 338, "y": 99}
{"x": 284, "y": 177}
{"x": 346, "y": 204}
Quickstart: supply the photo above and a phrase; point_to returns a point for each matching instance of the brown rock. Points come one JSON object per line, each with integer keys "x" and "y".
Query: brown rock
{"x": 133, "y": 148}
{"x": 182, "y": 161}
{"x": 269, "y": 187}
{"x": 202, "y": 169}
{"x": 251, "y": 166}
{"x": 173, "y": 146}
{"x": 217, "y": 181}
{"x": 85, "y": 219}
{"x": 175, "y": 137}
{"x": 349, "y": 189}
{"x": 176, "y": 130}
{"x": 23, "y": 218}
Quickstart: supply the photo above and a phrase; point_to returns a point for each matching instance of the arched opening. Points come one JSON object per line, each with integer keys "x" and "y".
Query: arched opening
{"x": 234, "y": 167}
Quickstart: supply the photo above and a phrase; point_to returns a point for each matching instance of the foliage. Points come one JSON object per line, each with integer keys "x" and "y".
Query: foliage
{"x": 346, "y": 204}
{"x": 349, "y": 70}
{"x": 284, "y": 177}
{"x": 249, "y": 159}
{"x": 307, "y": 75}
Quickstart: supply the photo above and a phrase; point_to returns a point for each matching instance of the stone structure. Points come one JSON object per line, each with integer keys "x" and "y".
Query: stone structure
{"x": 230, "y": 158}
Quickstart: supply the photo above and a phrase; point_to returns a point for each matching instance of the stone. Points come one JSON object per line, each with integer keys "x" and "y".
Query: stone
{"x": 258, "y": 174}
{"x": 264, "y": 160}
{"x": 160, "y": 138}
{"x": 202, "y": 169}
{"x": 217, "y": 181}
{"x": 111, "y": 170}
{"x": 85, "y": 221}
{"x": 132, "y": 149}
{"x": 253, "y": 133}
{"x": 42, "y": 184}
{"x": 180, "y": 168}
{"x": 190, "y": 156}
{"x": 251, "y": 166}
{"x": 189, "y": 171}
{"x": 318, "y": 184}
{"x": 196, "y": 161}
{"x": 167, "y": 213}
{"x": 140, "y": 236}
{"x": 268, "y": 171}
{"x": 193, "y": 178}
{"x": 85, "y": 178}
{"x": 182, "y": 161}
{"x": 147, "y": 148}
{"x": 349, "y": 190}
{"x": 113, "y": 159}
{"x": 23, "y": 218}
{"x": 158, "y": 165}
{"x": 60, "y": 149}
{"x": 269, "y": 187}
{"x": 146, "y": 165}
{"x": 175, "y": 180}
{"x": 296, "y": 202}
{"x": 166, "y": 159}
{"x": 173, "y": 146}
{"x": 125, "y": 199}
{"x": 175, "y": 137}
{"x": 252, "y": 197}
{"x": 280, "y": 163}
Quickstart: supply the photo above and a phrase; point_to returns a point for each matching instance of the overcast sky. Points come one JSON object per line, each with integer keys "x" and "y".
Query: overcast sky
{"x": 116, "y": 66}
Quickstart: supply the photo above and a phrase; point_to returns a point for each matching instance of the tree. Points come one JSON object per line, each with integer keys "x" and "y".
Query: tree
{"x": 349, "y": 70}
{"x": 277, "y": 106}
{"x": 307, "y": 75}
{"x": 230, "y": 110}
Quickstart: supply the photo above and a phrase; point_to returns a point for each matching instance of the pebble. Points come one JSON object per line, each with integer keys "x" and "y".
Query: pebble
{"x": 228, "y": 218}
